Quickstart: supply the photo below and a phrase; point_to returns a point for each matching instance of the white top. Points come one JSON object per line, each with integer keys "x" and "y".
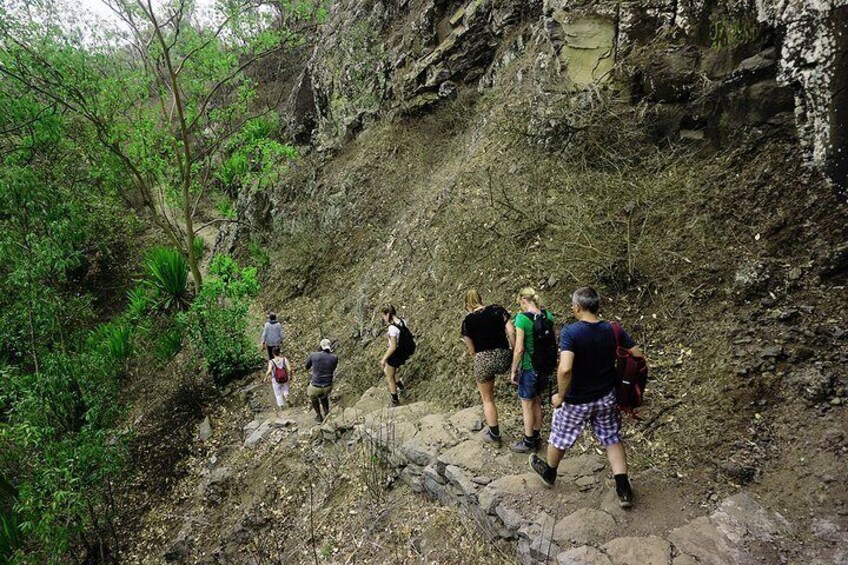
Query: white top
{"x": 394, "y": 332}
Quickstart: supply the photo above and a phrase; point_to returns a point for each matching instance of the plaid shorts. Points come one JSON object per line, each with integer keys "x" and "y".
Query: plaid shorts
{"x": 569, "y": 419}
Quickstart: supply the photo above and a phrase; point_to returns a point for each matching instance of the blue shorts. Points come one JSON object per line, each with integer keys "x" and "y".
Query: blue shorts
{"x": 530, "y": 385}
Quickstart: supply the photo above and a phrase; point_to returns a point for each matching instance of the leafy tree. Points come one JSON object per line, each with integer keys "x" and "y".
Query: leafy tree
{"x": 163, "y": 98}
{"x": 216, "y": 323}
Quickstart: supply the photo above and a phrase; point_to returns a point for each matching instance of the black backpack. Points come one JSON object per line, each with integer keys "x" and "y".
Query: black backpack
{"x": 406, "y": 343}
{"x": 544, "y": 358}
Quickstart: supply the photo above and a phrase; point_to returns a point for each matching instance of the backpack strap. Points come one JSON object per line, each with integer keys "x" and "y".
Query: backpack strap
{"x": 616, "y": 330}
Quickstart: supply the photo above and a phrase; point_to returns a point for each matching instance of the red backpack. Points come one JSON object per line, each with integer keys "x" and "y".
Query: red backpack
{"x": 281, "y": 374}
{"x": 632, "y": 374}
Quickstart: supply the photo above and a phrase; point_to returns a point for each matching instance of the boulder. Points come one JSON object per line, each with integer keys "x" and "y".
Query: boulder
{"x": 205, "y": 429}
{"x": 418, "y": 452}
{"x": 586, "y": 525}
{"x": 583, "y": 555}
{"x": 258, "y": 434}
{"x": 588, "y": 46}
{"x": 543, "y": 549}
{"x": 433, "y": 429}
{"x": 639, "y": 551}
{"x": 524, "y": 483}
{"x": 740, "y": 516}
{"x": 511, "y": 518}
{"x": 583, "y": 465}
{"x": 460, "y": 480}
{"x": 670, "y": 75}
{"x": 468, "y": 455}
{"x": 701, "y": 539}
{"x": 468, "y": 420}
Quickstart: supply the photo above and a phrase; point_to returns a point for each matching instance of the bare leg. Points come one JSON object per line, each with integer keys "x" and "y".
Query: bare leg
{"x": 487, "y": 396}
{"x": 528, "y": 412}
{"x": 537, "y": 414}
{"x": 390, "y": 378}
{"x": 554, "y": 456}
{"x": 617, "y": 458}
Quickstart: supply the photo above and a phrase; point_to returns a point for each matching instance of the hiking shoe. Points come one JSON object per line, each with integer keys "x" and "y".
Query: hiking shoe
{"x": 521, "y": 447}
{"x": 400, "y": 386}
{"x": 489, "y": 437}
{"x": 625, "y": 496}
{"x": 319, "y": 419}
{"x": 394, "y": 403}
{"x": 542, "y": 469}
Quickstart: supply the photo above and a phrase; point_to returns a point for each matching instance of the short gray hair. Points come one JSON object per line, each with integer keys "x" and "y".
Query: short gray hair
{"x": 587, "y": 298}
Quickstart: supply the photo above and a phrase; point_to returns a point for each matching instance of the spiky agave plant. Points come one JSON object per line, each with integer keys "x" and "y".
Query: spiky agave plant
{"x": 167, "y": 270}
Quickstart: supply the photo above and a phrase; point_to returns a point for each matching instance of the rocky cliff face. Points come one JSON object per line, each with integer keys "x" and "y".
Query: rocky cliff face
{"x": 748, "y": 61}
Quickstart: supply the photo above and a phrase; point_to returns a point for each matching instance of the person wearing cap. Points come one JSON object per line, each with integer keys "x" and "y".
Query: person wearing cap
{"x": 322, "y": 365}
{"x": 272, "y": 334}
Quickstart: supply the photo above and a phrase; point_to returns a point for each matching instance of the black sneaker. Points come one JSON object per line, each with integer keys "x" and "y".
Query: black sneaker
{"x": 319, "y": 419}
{"x": 489, "y": 437}
{"x": 521, "y": 447}
{"x": 625, "y": 496}
{"x": 541, "y": 468}
{"x": 400, "y": 386}
{"x": 394, "y": 403}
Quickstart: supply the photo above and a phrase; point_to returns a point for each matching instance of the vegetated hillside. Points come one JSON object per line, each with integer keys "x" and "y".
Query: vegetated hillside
{"x": 558, "y": 145}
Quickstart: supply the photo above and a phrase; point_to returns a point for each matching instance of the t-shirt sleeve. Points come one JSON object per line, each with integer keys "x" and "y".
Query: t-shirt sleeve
{"x": 309, "y": 362}
{"x": 394, "y": 331}
{"x": 566, "y": 340}
{"x": 464, "y": 331}
{"x": 264, "y": 331}
{"x": 523, "y": 322}
{"x": 626, "y": 339}
{"x": 501, "y": 312}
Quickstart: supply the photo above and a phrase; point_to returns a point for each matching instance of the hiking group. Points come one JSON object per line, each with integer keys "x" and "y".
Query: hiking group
{"x": 586, "y": 364}
{"x": 321, "y": 364}
{"x": 596, "y": 367}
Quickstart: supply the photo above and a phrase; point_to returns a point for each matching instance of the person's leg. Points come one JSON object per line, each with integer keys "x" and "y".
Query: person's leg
{"x": 566, "y": 425}
{"x": 325, "y": 404}
{"x": 527, "y": 393}
{"x": 278, "y": 394}
{"x": 537, "y": 416}
{"x": 606, "y": 425}
{"x": 270, "y": 349}
{"x": 487, "y": 397}
{"x": 390, "y": 381}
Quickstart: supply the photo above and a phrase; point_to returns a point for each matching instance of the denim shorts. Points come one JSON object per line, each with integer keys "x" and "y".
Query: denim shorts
{"x": 530, "y": 385}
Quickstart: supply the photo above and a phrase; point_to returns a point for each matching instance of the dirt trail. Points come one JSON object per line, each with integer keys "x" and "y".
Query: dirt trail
{"x": 254, "y": 470}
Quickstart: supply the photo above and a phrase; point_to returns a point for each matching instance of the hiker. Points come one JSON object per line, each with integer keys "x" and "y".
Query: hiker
{"x": 401, "y": 347}
{"x": 488, "y": 336}
{"x": 527, "y": 371}
{"x": 323, "y": 365}
{"x": 272, "y": 334}
{"x": 587, "y": 381}
{"x": 280, "y": 374}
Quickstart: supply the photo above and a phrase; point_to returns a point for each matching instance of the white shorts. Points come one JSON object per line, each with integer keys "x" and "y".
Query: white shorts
{"x": 281, "y": 391}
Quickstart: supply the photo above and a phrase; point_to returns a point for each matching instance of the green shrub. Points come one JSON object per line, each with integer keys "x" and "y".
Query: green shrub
{"x": 114, "y": 340}
{"x": 232, "y": 171}
{"x": 167, "y": 269}
{"x": 11, "y": 537}
{"x": 216, "y": 323}
{"x": 169, "y": 344}
{"x": 199, "y": 247}
{"x": 139, "y": 302}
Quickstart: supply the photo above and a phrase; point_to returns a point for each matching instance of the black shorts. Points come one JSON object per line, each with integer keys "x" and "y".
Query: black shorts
{"x": 396, "y": 361}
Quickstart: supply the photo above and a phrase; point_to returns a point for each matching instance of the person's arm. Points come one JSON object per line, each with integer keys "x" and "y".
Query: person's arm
{"x": 510, "y": 333}
{"x": 566, "y": 364}
{"x": 268, "y": 372}
{"x": 309, "y": 362}
{"x": 469, "y": 345}
{"x": 289, "y": 368}
{"x": 636, "y": 352}
{"x": 517, "y": 355}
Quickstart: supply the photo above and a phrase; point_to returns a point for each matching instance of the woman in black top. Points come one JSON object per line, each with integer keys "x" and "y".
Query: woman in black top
{"x": 488, "y": 335}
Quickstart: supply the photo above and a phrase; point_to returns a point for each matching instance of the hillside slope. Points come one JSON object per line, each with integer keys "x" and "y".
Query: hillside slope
{"x": 652, "y": 152}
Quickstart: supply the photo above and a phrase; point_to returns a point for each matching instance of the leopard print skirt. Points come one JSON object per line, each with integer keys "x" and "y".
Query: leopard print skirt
{"x": 488, "y": 364}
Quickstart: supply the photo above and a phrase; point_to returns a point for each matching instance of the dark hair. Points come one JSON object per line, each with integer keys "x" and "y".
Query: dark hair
{"x": 390, "y": 310}
{"x": 275, "y": 350}
{"x": 272, "y": 316}
{"x": 587, "y": 299}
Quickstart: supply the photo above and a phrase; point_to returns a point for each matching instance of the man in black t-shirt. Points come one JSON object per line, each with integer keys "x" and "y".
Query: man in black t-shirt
{"x": 587, "y": 380}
